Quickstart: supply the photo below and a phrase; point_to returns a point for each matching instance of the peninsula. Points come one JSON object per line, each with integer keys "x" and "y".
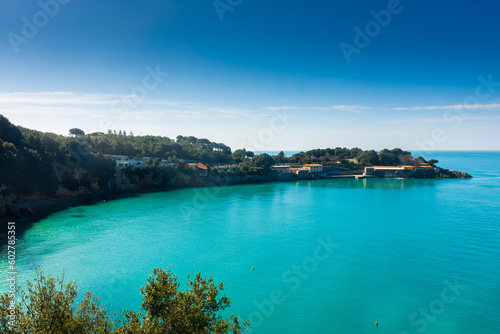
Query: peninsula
{"x": 39, "y": 169}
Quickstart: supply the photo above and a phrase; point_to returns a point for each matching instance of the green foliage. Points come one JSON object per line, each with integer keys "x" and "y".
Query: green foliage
{"x": 77, "y": 132}
{"x": 23, "y": 160}
{"x": 265, "y": 161}
{"x": 387, "y": 158}
{"x": 333, "y": 157}
{"x": 241, "y": 155}
{"x": 9, "y": 132}
{"x": 169, "y": 310}
{"x": 280, "y": 158}
{"x": 248, "y": 168}
{"x": 258, "y": 165}
{"x": 37, "y": 163}
{"x": 432, "y": 162}
{"x": 49, "y": 307}
{"x": 369, "y": 158}
{"x": 187, "y": 148}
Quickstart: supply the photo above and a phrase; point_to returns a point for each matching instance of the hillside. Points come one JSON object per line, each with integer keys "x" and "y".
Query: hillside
{"x": 38, "y": 165}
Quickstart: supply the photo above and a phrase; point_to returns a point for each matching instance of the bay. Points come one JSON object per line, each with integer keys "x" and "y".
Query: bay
{"x": 330, "y": 256}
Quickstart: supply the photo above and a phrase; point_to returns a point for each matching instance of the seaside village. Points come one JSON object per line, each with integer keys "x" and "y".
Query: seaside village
{"x": 305, "y": 171}
{"x": 302, "y": 171}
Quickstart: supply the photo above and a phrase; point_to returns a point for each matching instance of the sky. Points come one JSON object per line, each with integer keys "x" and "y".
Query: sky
{"x": 261, "y": 75}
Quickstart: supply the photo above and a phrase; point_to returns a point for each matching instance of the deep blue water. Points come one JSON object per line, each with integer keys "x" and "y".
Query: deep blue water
{"x": 330, "y": 256}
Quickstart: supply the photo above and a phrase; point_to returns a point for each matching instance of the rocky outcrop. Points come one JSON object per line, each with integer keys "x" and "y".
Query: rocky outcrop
{"x": 451, "y": 174}
{"x": 460, "y": 175}
{"x": 428, "y": 173}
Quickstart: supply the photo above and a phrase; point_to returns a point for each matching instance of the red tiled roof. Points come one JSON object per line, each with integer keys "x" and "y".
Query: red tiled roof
{"x": 201, "y": 166}
{"x": 198, "y": 164}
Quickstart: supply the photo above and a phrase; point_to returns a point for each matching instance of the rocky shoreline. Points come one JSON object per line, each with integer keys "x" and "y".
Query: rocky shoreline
{"x": 35, "y": 209}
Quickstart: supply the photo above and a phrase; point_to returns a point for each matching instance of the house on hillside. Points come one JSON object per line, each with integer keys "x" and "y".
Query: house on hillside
{"x": 300, "y": 172}
{"x": 130, "y": 164}
{"x": 282, "y": 168}
{"x": 229, "y": 168}
{"x": 313, "y": 168}
{"x": 96, "y": 134}
{"x": 118, "y": 157}
{"x": 199, "y": 167}
{"x": 165, "y": 164}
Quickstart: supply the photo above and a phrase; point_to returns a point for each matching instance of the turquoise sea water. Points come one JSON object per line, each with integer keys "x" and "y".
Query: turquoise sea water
{"x": 330, "y": 256}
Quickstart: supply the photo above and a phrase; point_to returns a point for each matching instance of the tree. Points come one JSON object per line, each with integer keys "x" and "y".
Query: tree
{"x": 355, "y": 152}
{"x": 9, "y": 132}
{"x": 48, "y": 307}
{"x": 77, "y": 132}
{"x": 248, "y": 167}
{"x": 387, "y": 158}
{"x": 368, "y": 157}
{"x": 432, "y": 162}
{"x": 421, "y": 160}
{"x": 169, "y": 310}
{"x": 280, "y": 158}
{"x": 239, "y": 155}
{"x": 264, "y": 160}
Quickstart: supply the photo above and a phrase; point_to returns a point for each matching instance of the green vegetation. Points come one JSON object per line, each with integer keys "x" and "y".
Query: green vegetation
{"x": 49, "y": 307}
{"x": 432, "y": 162}
{"x": 76, "y": 132}
{"x": 34, "y": 163}
{"x": 331, "y": 157}
{"x": 186, "y": 148}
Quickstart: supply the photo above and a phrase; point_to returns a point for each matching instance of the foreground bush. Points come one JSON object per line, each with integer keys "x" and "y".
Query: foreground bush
{"x": 49, "y": 307}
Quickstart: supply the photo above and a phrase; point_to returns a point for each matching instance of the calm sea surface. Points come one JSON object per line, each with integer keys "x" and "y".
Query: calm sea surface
{"x": 330, "y": 256}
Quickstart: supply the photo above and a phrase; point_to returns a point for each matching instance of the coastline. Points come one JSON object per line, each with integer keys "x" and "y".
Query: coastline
{"x": 32, "y": 210}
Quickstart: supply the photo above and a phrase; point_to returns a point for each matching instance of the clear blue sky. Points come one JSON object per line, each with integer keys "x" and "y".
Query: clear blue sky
{"x": 233, "y": 66}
